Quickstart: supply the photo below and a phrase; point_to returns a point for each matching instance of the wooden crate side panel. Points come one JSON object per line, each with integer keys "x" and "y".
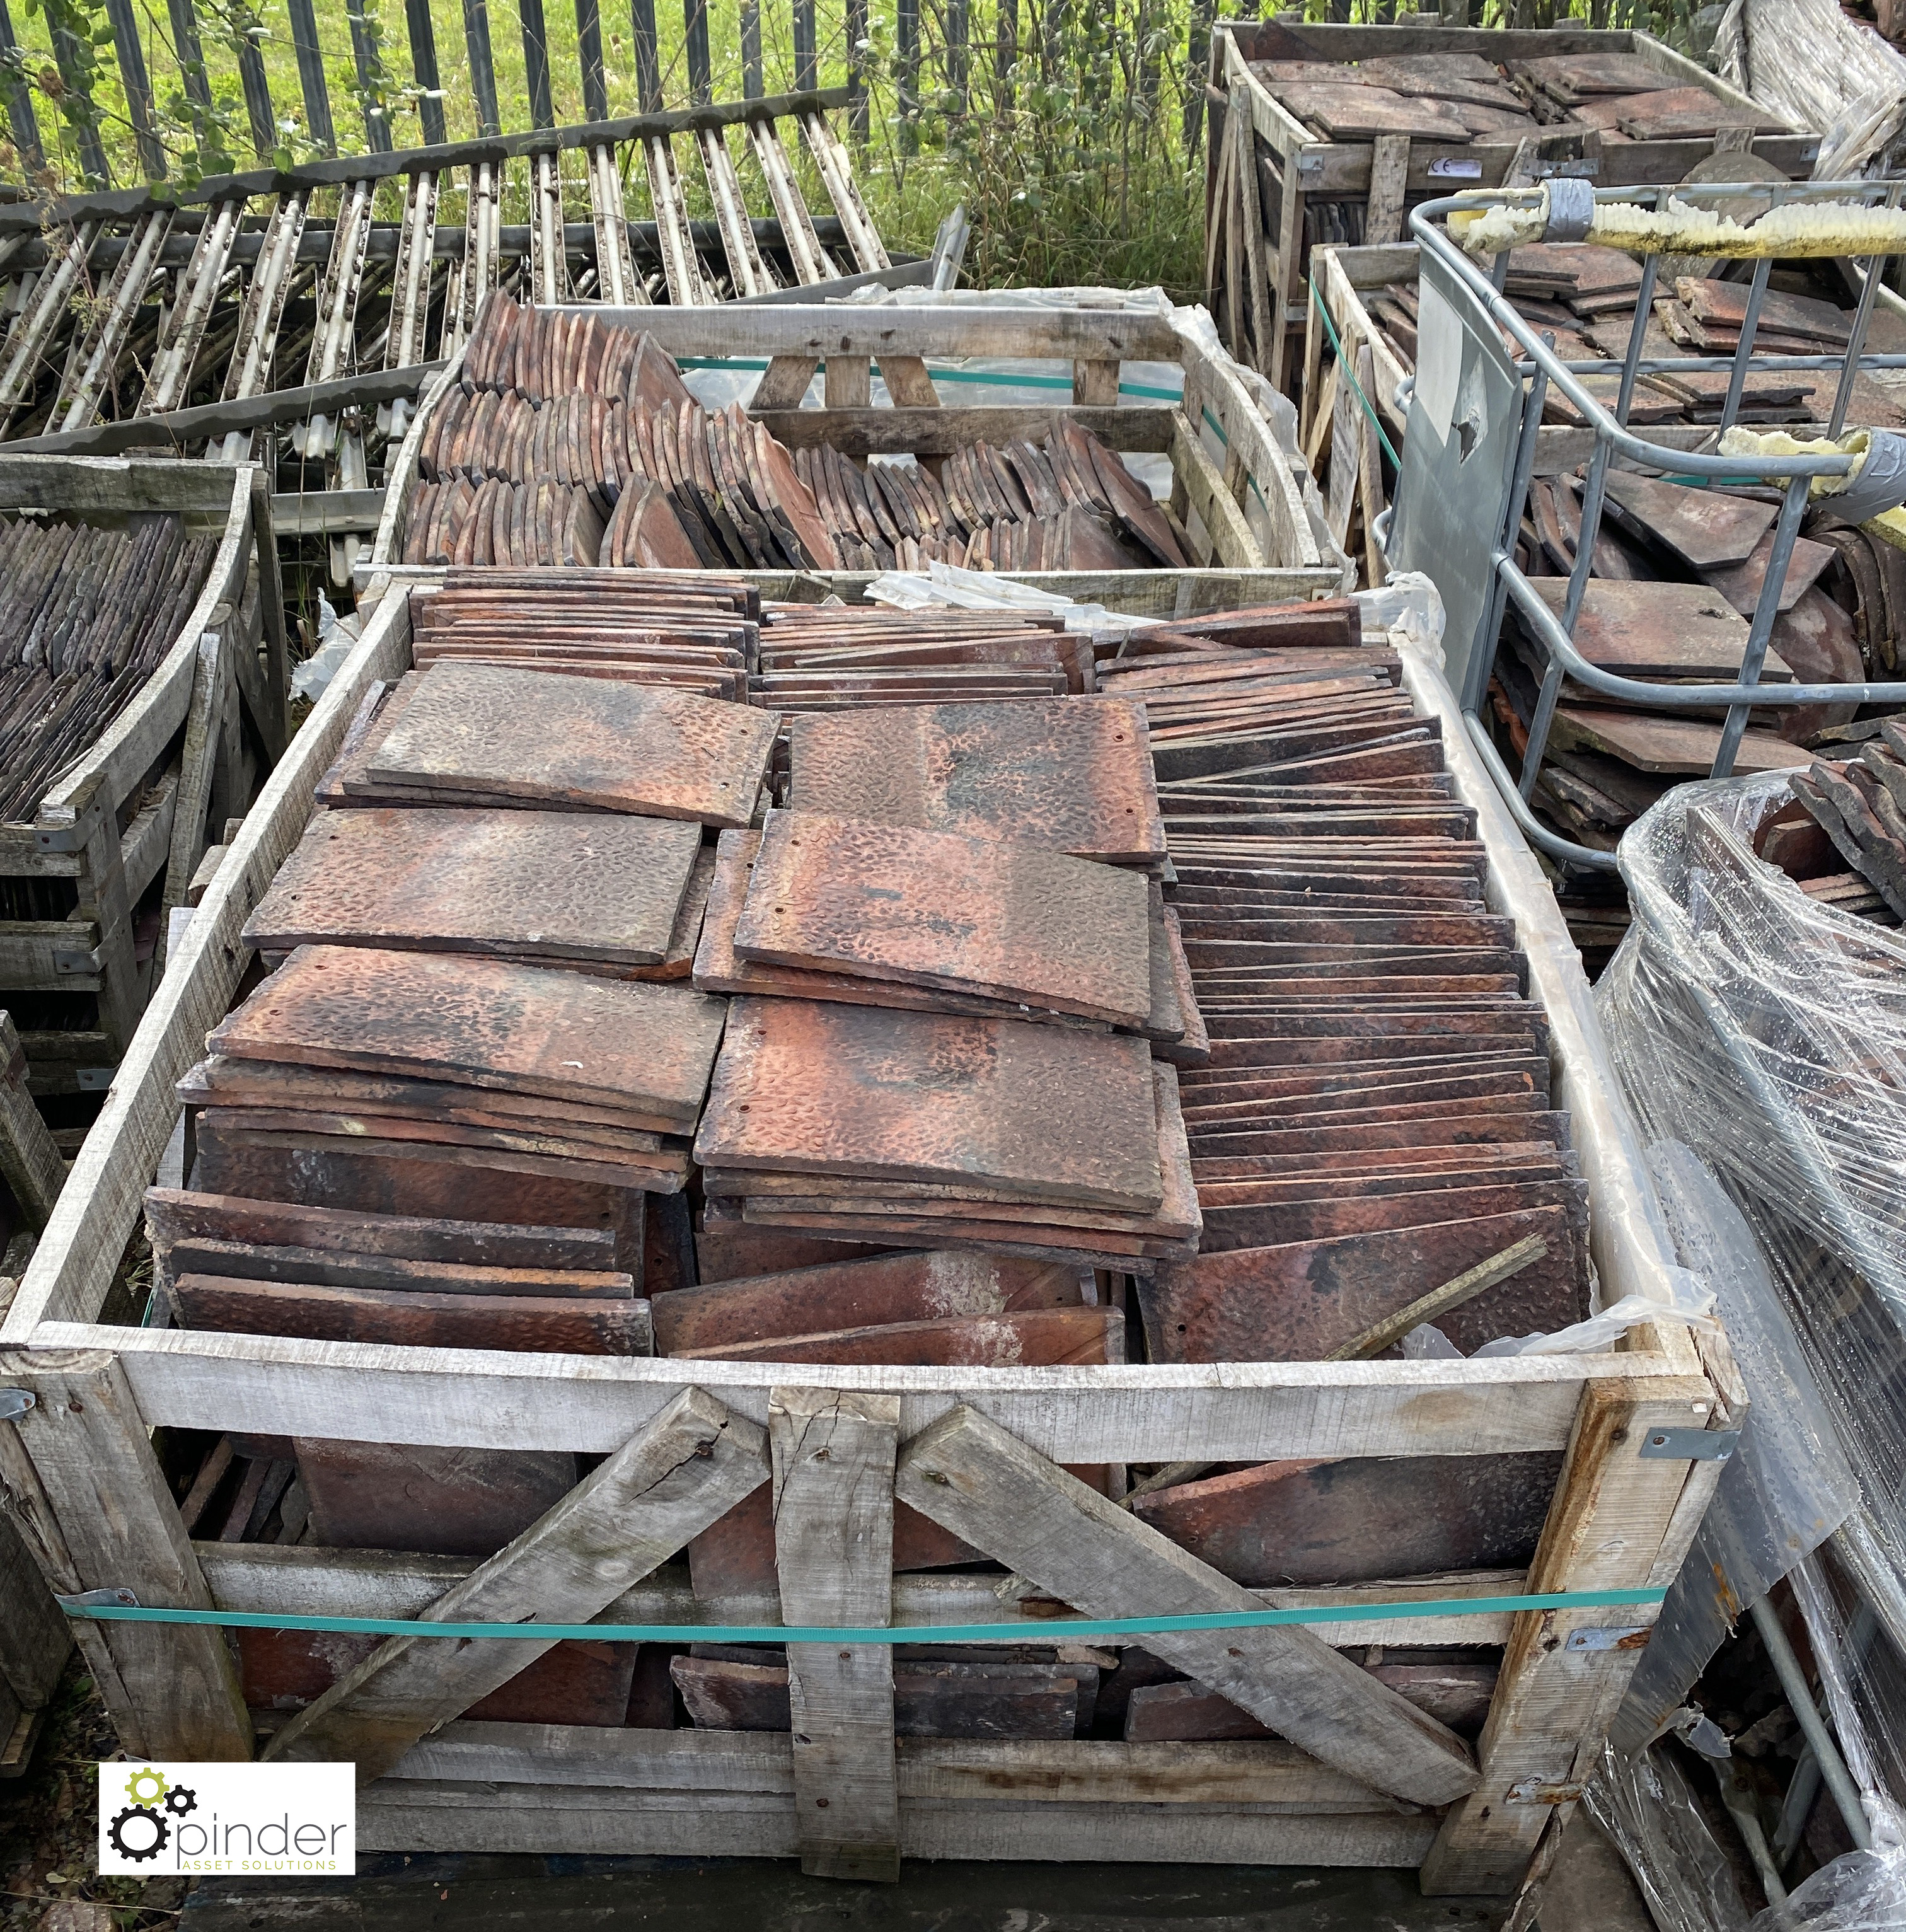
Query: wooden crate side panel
{"x": 1608, "y": 1530}
{"x": 416, "y": 1815}
{"x": 72, "y": 1268}
{"x": 1256, "y": 1411}
{"x": 1266, "y": 1775}
{"x": 1341, "y": 282}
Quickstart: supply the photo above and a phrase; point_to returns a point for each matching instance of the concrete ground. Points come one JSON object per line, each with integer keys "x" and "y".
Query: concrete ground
{"x": 1589, "y": 1891}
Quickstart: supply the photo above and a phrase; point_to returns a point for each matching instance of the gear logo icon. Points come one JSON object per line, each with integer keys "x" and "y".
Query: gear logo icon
{"x": 155, "y": 1783}
{"x": 181, "y": 1800}
{"x": 139, "y": 1833}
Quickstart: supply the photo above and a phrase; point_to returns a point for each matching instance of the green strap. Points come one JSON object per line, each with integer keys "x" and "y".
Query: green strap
{"x": 987, "y": 379}
{"x": 1348, "y": 374}
{"x": 1034, "y": 1630}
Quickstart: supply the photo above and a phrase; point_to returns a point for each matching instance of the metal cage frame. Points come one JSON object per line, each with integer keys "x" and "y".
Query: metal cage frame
{"x": 1485, "y": 311}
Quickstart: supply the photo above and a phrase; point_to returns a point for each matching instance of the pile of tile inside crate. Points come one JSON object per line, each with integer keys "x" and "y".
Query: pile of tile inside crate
{"x": 1677, "y": 571}
{"x": 1371, "y": 1133}
{"x": 961, "y": 1106}
{"x": 86, "y": 617}
{"x": 1585, "y": 296}
{"x": 1841, "y": 837}
{"x": 1453, "y": 99}
{"x": 572, "y": 440}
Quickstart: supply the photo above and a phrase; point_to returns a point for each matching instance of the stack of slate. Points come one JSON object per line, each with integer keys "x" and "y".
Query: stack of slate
{"x": 86, "y": 616}
{"x": 938, "y": 1043}
{"x": 573, "y": 440}
{"x": 1860, "y": 809}
{"x": 464, "y": 1025}
{"x": 1624, "y": 98}
{"x": 1584, "y": 296}
{"x": 513, "y": 735}
{"x": 1677, "y": 574}
{"x": 1450, "y": 99}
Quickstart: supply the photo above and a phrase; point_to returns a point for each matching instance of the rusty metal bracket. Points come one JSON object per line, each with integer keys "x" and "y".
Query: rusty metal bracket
{"x": 1538, "y": 1791}
{"x": 15, "y": 1402}
{"x": 1610, "y": 1637}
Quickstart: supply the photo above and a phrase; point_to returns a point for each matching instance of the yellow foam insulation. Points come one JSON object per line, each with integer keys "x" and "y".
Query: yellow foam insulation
{"x": 1492, "y": 231}
{"x": 1889, "y": 526}
{"x": 1740, "y": 442}
{"x": 1812, "y": 229}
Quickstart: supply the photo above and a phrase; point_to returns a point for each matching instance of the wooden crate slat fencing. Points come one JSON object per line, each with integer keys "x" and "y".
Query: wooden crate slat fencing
{"x": 388, "y": 297}
{"x": 1619, "y": 1519}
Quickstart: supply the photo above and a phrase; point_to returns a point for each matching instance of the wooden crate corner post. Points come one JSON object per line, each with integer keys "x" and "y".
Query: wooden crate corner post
{"x": 173, "y": 1690}
{"x": 1615, "y": 1524}
{"x": 834, "y": 1456}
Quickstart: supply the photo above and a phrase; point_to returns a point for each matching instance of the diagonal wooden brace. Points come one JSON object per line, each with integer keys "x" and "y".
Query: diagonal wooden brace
{"x": 986, "y": 1486}
{"x": 688, "y": 1466}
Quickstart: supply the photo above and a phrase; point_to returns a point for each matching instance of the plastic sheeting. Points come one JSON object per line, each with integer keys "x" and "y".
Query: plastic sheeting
{"x": 1786, "y": 1488}
{"x": 1648, "y": 1810}
{"x": 1811, "y": 64}
{"x": 1768, "y": 1034}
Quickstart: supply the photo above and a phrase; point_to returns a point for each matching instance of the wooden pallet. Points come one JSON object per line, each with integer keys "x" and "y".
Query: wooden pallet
{"x": 1258, "y": 236}
{"x": 843, "y": 1793}
{"x": 1235, "y": 564}
{"x": 191, "y": 749}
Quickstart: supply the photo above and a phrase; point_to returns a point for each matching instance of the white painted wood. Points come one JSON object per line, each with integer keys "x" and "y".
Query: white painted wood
{"x": 975, "y": 1479}
{"x": 667, "y": 1483}
{"x": 834, "y": 1456}
{"x": 1230, "y": 1412}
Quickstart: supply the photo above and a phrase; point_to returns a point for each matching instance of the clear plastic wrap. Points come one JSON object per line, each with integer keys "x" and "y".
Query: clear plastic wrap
{"x": 1810, "y": 63}
{"x": 1767, "y": 1033}
{"x": 1647, "y": 1808}
{"x": 1786, "y": 1488}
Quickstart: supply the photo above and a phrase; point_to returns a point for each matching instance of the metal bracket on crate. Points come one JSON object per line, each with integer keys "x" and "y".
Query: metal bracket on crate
{"x": 73, "y": 959}
{"x": 98, "y": 1600}
{"x": 1541, "y": 1791}
{"x": 73, "y": 838}
{"x": 1690, "y": 1445}
{"x": 93, "y": 1079}
{"x": 1610, "y": 1637}
{"x": 15, "y": 1402}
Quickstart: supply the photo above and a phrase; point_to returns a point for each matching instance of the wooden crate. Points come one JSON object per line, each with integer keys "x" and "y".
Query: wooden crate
{"x": 209, "y": 719}
{"x": 81, "y": 1470}
{"x": 1265, "y": 172}
{"x": 1233, "y": 568}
